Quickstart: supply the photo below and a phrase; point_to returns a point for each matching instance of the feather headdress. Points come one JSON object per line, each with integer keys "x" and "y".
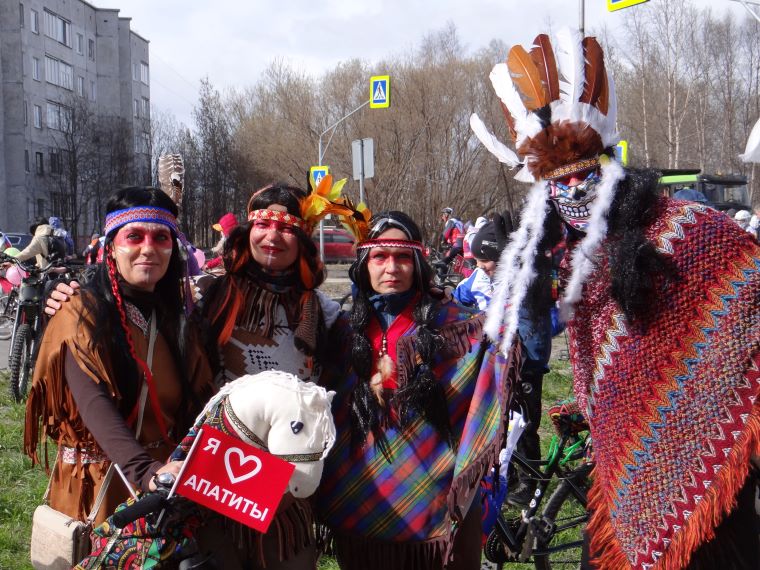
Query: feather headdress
{"x": 324, "y": 200}
{"x": 171, "y": 176}
{"x": 550, "y": 94}
{"x": 560, "y": 107}
{"x": 752, "y": 150}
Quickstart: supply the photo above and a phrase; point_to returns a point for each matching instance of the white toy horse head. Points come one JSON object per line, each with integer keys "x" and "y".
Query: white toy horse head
{"x": 291, "y": 419}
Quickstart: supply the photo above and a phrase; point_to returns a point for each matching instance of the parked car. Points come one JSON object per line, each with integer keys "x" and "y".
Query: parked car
{"x": 19, "y": 241}
{"x": 339, "y": 245}
{"x": 721, "y": 192}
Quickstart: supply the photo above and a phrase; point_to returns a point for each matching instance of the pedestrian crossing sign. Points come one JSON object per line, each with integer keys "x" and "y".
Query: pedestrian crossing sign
{"x": 317, "y": 173}
{"x": 613, "y": 5}
{"x": 380, "y": 91}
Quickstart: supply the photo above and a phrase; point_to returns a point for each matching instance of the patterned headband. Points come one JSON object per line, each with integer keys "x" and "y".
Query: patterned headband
{"x": 572, "y": 168}
{"x": 150, "y": 214}
{"x": 409, "y": 244}
{"x": 283, "y": 217}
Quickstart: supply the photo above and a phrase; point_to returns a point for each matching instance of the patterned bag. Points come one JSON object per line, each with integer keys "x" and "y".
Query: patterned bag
{"x": 142, "y": 543}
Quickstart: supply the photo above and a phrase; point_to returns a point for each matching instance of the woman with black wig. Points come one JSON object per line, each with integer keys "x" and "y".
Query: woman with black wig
{"x": 99, "y": 376}
{"x": 419, "y": 408}
{"x": 266, "y": 314}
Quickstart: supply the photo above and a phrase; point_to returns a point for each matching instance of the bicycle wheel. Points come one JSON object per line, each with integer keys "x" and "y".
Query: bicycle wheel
{"x": 6, "y": 320}
{"x": 20, "y": 362}
{"x": 564, "y": 518}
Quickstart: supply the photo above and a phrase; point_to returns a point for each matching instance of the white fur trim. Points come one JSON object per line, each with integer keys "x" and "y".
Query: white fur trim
{"x": 582, "y": 262}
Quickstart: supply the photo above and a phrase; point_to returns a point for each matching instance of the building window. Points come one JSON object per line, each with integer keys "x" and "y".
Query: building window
{"x": 26, "y": 159}
{"x": 58, "y": 116}
{"x": 37, "y": 116}
{"x": 80, "y": 44}
{"x": 21, "y": 15}
{"x": 26, "y": 113}
{"x": 136, "y": 108}
{"x": 35, "y": 68}
{"x": 56, "y": 166}
{"x": 146, "y": 107}
{"x": 146, "y": 143}
{"x": 57, "y": 28}
{"x": 91, "y": 49}
{"x": 93, "y": 91}
{"x": 59, "y": 73}
{"x": 39, "y": 166}
{"x": 62, "y": 205}
{"x": 144, "y": 75}
{"x": 80, "y": 86}
{"x": 135, "y": 72}
{"x": 34, "y": 21}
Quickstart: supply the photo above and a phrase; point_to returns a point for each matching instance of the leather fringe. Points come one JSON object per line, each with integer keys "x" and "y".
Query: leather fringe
{"x": 355, "y": 553}
{"x": 717, "y": 502}
{"x": 457, "y": 338}
{"x": 292, "y": 530}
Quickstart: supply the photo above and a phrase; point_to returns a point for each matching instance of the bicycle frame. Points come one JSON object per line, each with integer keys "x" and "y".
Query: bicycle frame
{"x": 515, "y": 539}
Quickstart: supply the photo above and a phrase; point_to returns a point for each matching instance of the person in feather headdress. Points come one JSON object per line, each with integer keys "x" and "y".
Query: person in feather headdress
{"x": 418, "y": 410}
{"x": 662, "y": 299}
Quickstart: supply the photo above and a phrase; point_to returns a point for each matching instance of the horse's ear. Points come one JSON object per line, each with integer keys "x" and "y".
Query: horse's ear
{"x": 330, "y": 396}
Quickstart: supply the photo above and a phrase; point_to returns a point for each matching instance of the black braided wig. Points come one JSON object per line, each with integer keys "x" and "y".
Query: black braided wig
{"x": 422, "y": 394}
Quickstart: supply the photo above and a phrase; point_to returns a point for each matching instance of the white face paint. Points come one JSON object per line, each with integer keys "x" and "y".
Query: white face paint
{"x": 142, "y": 252}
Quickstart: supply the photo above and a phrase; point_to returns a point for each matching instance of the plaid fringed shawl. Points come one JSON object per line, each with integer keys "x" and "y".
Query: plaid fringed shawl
{"x": 399, "y": 514}
{"x": 672, "y": 406}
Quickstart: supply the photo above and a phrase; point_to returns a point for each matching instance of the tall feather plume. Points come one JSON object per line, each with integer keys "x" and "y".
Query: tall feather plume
{"x": 171, "y": 176}
{"x": 526, "y": 124}
{"x": 752, "y": 150}
{"x": 593, "y": 71}
{"x": 604, "y": 96}
{"x": 510, "y": 120}
{"x": 497, "y": 148}
{"x": 526, "y": 77}
{"x": 569, "y": 52}
{"x": 542, "y": 55}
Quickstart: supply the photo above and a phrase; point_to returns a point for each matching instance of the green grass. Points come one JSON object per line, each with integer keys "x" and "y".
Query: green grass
{"x": 22, "y": 487}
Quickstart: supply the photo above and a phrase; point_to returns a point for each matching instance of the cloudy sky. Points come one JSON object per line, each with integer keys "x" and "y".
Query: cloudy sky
{"x": 232, "y": 41}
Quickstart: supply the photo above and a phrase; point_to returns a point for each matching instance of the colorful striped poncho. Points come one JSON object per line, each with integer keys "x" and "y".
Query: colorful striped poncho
{"x": 673, "y": 406}
{"x": 402, "y": 514}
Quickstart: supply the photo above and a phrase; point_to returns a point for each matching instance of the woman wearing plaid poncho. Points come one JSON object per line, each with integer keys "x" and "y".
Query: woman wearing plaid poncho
{"x": 419, "y": 408}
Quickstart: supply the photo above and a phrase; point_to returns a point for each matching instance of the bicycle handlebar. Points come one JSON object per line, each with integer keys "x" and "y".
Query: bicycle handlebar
{"x": 145, "y": 506}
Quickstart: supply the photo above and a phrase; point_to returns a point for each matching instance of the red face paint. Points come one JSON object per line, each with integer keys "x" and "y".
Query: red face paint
{"x": 142, "y": 252}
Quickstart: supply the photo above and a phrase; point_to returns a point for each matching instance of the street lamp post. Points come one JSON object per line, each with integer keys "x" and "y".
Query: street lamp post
{"x": 319, "y": 163}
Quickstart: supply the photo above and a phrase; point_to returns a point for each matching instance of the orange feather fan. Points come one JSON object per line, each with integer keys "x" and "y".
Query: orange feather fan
{"x": 596, "y": 78}
{"x": 542, "y": 55}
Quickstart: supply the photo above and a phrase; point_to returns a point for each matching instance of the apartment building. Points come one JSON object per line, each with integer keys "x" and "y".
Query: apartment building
{"x": 74, "y": 111}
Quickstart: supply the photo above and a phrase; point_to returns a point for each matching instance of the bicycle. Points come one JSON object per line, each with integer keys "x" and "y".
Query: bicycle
{"x": 27, "y": 323}
{"x": 446, "y": 274}
{"x": 8, "y": 313}
{"x": 551, "y": 537}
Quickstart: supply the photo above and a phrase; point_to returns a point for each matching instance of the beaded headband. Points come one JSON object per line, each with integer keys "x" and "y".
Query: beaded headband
{"x": 283, "y": 217}
{"x": 571, "y": 168}
{"x": 409, "y": 244}
{"x": 150, "y": 214}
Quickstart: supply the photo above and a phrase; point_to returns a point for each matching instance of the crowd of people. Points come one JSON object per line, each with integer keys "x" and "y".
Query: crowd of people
{"x": 660, "y": 299}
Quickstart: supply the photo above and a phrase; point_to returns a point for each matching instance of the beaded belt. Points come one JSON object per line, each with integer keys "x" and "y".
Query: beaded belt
{"x": 72, "y": 455}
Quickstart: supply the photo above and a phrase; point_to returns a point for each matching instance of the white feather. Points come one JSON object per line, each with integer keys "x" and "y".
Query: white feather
{"x": 515, "y": 270}
{"x": 526, "y": 124}
{"x": 524, "y": 175}
{"x": 752, "y": 150}
{"x": 492, "y": 144}
{"x": 610, "y": 134}
{"x": 571, "y": 64}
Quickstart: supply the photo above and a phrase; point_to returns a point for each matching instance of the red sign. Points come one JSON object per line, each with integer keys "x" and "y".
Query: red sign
{"x": 235, "y": 479}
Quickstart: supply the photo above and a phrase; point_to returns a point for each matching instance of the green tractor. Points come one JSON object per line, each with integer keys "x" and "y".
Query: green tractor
{"x": 722, "y": 192}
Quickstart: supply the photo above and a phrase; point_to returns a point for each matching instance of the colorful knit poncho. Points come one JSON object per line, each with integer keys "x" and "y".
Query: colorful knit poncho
{"x": 399, "y": 514}
{"x": 672, "y": 406}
